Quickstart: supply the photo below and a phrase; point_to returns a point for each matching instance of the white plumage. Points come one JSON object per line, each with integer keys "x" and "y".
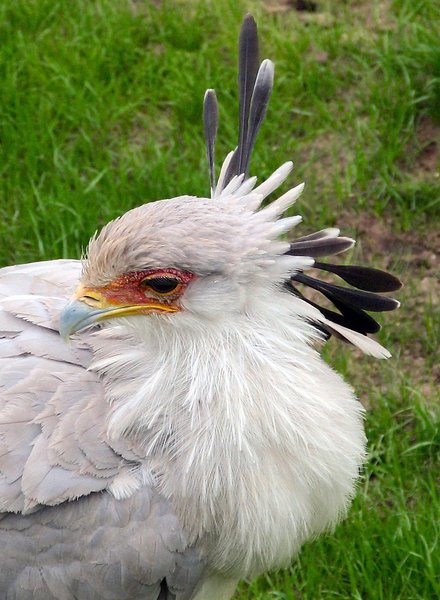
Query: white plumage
{"x": 190, "y": 434}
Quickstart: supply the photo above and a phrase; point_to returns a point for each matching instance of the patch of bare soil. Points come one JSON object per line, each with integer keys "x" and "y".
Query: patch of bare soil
{"x": 366, "y": 20}
{"x": 285, "y": 5}
{"x": 413, "y": 256}
{"x": 328, "y": 154}
{"x": 374, "y": 18}
{"x": 140, "y": 6}
{"x": 378, "y": 241}
{"x": 307, "y": 11}
{"x": 427, "y": 160}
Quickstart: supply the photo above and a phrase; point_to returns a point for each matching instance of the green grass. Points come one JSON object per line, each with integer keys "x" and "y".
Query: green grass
{"x": 100, "y": 111}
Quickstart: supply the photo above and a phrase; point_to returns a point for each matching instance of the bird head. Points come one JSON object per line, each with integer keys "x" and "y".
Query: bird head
{"x": 214, "y": 257}
{"x": 185, "y": 254}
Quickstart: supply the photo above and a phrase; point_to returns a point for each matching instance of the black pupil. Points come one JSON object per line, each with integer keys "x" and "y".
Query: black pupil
{"x": 162, "y": 285}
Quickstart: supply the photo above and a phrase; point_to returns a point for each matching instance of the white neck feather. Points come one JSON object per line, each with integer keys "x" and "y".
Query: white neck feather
{"x": 255, "y": 440}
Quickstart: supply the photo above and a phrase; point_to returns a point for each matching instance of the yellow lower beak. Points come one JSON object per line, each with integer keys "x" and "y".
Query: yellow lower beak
{"x": 89, "y": 308}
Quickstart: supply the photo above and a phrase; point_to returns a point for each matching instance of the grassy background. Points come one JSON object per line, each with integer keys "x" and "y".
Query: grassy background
{"x": 100, "y": 110}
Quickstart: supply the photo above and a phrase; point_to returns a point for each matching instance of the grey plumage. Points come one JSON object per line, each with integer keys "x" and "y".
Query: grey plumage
{"x": 137, "y": 461}
{"x": 97, "y": 547}
{"x": 54, "y": 449}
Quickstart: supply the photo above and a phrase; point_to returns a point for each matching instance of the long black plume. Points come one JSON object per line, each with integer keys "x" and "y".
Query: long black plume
{"x": 363, "y": 278}
{"x": 354, "y": 298}
{"x": 350, "y": 317}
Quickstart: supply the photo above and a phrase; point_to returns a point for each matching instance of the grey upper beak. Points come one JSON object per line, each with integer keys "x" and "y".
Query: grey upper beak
{"x": 76, "y": 316}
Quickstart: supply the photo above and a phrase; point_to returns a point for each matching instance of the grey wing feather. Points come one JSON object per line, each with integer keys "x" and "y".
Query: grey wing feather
{"x": 64, "y": 540}
{"x": 98, "y": 548}
{"x": 53, "y": 278}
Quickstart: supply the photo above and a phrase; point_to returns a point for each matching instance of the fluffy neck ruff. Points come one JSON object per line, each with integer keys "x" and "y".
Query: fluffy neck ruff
{"x": 253, "y": 438}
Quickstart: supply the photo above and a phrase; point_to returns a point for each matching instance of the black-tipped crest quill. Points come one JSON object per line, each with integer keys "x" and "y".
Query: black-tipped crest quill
{"x": 257, "y": 111}
{"x": 255, "y": 85}
{"x": 210, "y": 121}
{"x": 248, "y": 64}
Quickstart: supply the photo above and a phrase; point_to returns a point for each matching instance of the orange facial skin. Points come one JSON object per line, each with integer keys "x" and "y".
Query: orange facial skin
{"x": 154, "y": 291}
{"x": 132, "y": 290}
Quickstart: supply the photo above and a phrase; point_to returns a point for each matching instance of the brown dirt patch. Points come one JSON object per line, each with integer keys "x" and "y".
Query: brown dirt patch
{"x": 413, "y": 256}
{"x": 365, "y": 18}
{"x": 427, "y": 160}
{"x": 417, "y": 252}
{"x": 375, "y": 18}
{"x": 275, "y": 6}
{"x": 378, "y": 240}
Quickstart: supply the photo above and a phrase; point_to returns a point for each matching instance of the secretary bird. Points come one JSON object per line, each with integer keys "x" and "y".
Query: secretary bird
{"x": 189, "y": 434}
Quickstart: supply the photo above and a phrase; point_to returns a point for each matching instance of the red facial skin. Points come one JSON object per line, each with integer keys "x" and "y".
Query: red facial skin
{"x": 132, "y": 288}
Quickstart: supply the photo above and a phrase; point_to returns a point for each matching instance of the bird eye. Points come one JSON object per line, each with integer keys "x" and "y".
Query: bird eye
{"x": 161, "y": 285}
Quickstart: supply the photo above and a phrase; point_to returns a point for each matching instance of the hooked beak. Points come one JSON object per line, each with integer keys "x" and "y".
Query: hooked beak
{"x": 89, "y": 307}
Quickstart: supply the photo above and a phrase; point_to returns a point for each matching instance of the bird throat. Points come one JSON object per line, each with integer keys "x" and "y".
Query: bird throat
{"x": 234, "y": 424}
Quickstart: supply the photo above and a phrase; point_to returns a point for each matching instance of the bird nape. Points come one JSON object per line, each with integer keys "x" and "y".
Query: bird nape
{"x": 189, "y": 434}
